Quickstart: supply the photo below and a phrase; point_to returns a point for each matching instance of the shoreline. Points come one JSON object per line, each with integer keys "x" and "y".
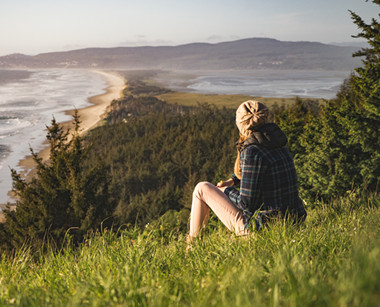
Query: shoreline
{"x": 90, "y": 117}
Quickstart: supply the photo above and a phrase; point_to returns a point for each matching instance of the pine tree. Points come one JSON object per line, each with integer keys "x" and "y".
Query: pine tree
{"x": 329, "y": 166}
{"x": 342, "y": 145}
{"x": 292, "y": 121}
{"x": 63, "y": 198}
{"x": 367, "y": 80}
{"x": 366, "y": 85}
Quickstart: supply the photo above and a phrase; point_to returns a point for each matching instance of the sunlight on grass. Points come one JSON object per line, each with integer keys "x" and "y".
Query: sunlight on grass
{"x": 228, "y": 101}
{"x": 330, "y": 260}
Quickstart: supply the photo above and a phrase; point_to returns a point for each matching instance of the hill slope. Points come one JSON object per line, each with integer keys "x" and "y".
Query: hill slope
{"x": 332, "y": 260}
{"x": 253, "y": 53}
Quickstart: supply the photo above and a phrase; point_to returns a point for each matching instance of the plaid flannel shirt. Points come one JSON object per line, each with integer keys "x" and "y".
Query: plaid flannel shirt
{"x": 268, "y": 182}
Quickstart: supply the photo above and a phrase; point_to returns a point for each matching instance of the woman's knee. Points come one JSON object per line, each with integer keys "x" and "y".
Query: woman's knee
{"x": 201, "y": 187}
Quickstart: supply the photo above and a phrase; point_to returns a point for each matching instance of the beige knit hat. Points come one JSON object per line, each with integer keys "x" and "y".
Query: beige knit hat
{"x": 250, "y": 115}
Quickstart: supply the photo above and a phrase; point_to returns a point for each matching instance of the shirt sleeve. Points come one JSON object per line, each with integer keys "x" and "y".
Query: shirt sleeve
{"x": 235, "y": 179}
{"x": 253, "y": 170}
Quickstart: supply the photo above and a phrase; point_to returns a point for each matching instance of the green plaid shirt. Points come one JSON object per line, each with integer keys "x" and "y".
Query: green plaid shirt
{"x": 268, "y": 182}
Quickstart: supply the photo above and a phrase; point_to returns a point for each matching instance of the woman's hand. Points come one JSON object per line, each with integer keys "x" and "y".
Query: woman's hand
{"x": 224, "y": 184}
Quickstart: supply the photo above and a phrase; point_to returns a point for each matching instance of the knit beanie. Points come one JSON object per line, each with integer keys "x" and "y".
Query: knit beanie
{"x": 250, "y": 115}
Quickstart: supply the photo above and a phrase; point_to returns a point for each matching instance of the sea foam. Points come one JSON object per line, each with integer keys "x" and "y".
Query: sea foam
{"x": 27, "y": 106}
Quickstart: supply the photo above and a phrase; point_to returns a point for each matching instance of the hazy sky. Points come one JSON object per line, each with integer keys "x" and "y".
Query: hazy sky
{"x": 35, "y": 26}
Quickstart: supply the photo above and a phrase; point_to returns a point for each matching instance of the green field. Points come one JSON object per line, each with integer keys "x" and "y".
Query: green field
{"x": 332, "y": 260}
{"x": 228, "y": 101}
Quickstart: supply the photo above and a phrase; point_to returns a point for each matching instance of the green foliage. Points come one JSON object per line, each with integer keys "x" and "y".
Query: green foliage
{"x": 62, "y": 198}
{"x": 293, "y": 120}
{"x": 332, "y": 260}
{"x": 137, "y": 87}
{"x": 331, "y": 161}
{"x": 156, "y": 155}
{"x": 341, "y": 146}
{"x": 367, "y": 80}
{"x": 132, "y": 106}
{"x": 366, "y": 85}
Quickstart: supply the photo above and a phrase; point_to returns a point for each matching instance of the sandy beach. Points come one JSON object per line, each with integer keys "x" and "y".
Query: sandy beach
{"x": 89, "y": 116}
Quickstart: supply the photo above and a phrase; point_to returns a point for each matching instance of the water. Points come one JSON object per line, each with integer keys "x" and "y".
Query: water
{"x": 28, "y": 102}
{"x": 275, "y": 83}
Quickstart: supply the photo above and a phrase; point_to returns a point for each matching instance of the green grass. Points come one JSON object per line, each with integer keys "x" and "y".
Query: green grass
{"x": 331, "y": 260}
{"x": 228, "y": 101}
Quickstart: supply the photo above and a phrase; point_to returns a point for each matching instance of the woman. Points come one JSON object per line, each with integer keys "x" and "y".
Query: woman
{"x": 265, "y": 171}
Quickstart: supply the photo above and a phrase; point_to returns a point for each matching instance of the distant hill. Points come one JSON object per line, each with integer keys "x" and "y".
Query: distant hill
{"x": 252, "y": 53}
{"x": 351, "y": 44}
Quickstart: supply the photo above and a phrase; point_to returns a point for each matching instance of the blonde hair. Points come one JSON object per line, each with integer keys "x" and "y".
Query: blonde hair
{"x": 237, "y": 167}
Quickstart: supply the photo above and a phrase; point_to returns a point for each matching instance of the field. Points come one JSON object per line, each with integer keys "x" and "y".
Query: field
{"x": 228, "y": 101}
{"x": 331, "y": 260}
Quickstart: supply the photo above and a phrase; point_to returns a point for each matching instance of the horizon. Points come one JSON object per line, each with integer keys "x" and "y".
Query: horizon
{"x": 342, "y": 44}
{"x": 50, "y": 26}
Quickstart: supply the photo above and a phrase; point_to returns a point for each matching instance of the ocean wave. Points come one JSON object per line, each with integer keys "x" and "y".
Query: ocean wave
{"x": 27, "y": 105}
{"x": 12, "y": 126}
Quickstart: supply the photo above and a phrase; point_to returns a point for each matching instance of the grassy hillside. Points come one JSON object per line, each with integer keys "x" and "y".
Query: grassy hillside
{"x": 330, "y": 261}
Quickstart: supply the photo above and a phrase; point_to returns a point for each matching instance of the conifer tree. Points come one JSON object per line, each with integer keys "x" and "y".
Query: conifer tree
{"x": 366, "y": 86}
{"x": 292, "y": 121}
{"x": 367, "y": 80}
{"x": 64, "y": 197}
{"x": 341, "y": 145}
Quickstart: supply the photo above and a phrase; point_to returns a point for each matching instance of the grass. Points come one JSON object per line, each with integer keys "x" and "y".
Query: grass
{"x": 331, "y": 260}
{"x": 228, "y": 101}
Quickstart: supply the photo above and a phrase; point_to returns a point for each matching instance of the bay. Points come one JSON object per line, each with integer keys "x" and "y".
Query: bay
{"x": 267, "y": 83}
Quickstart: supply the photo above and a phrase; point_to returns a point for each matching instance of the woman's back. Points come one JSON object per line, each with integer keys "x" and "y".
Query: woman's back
{"x": 276, "y": 187}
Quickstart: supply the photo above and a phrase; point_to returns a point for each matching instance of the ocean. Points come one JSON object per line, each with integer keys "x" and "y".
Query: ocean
{"x": 270, "y": 83}
{"x": 29, "y": 99}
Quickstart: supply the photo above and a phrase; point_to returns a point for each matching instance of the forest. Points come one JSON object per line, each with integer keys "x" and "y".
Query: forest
{"x": 148, "y": 155}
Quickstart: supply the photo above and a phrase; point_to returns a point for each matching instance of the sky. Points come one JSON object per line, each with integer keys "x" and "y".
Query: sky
{"x": 38, "y": 26}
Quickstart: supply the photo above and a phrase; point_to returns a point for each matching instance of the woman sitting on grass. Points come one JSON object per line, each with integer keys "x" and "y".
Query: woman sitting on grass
{"x": 265, "y": 171}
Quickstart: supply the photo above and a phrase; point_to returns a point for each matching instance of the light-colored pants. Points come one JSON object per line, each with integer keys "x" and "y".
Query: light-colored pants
{"x": 206, "y": 196}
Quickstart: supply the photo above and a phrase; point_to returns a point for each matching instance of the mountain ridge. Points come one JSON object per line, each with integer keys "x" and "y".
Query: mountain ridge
{"x": 249, "y": 53}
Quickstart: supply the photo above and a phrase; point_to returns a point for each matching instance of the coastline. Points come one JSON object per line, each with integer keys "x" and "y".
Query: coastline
{"x": 90, "y": 117}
